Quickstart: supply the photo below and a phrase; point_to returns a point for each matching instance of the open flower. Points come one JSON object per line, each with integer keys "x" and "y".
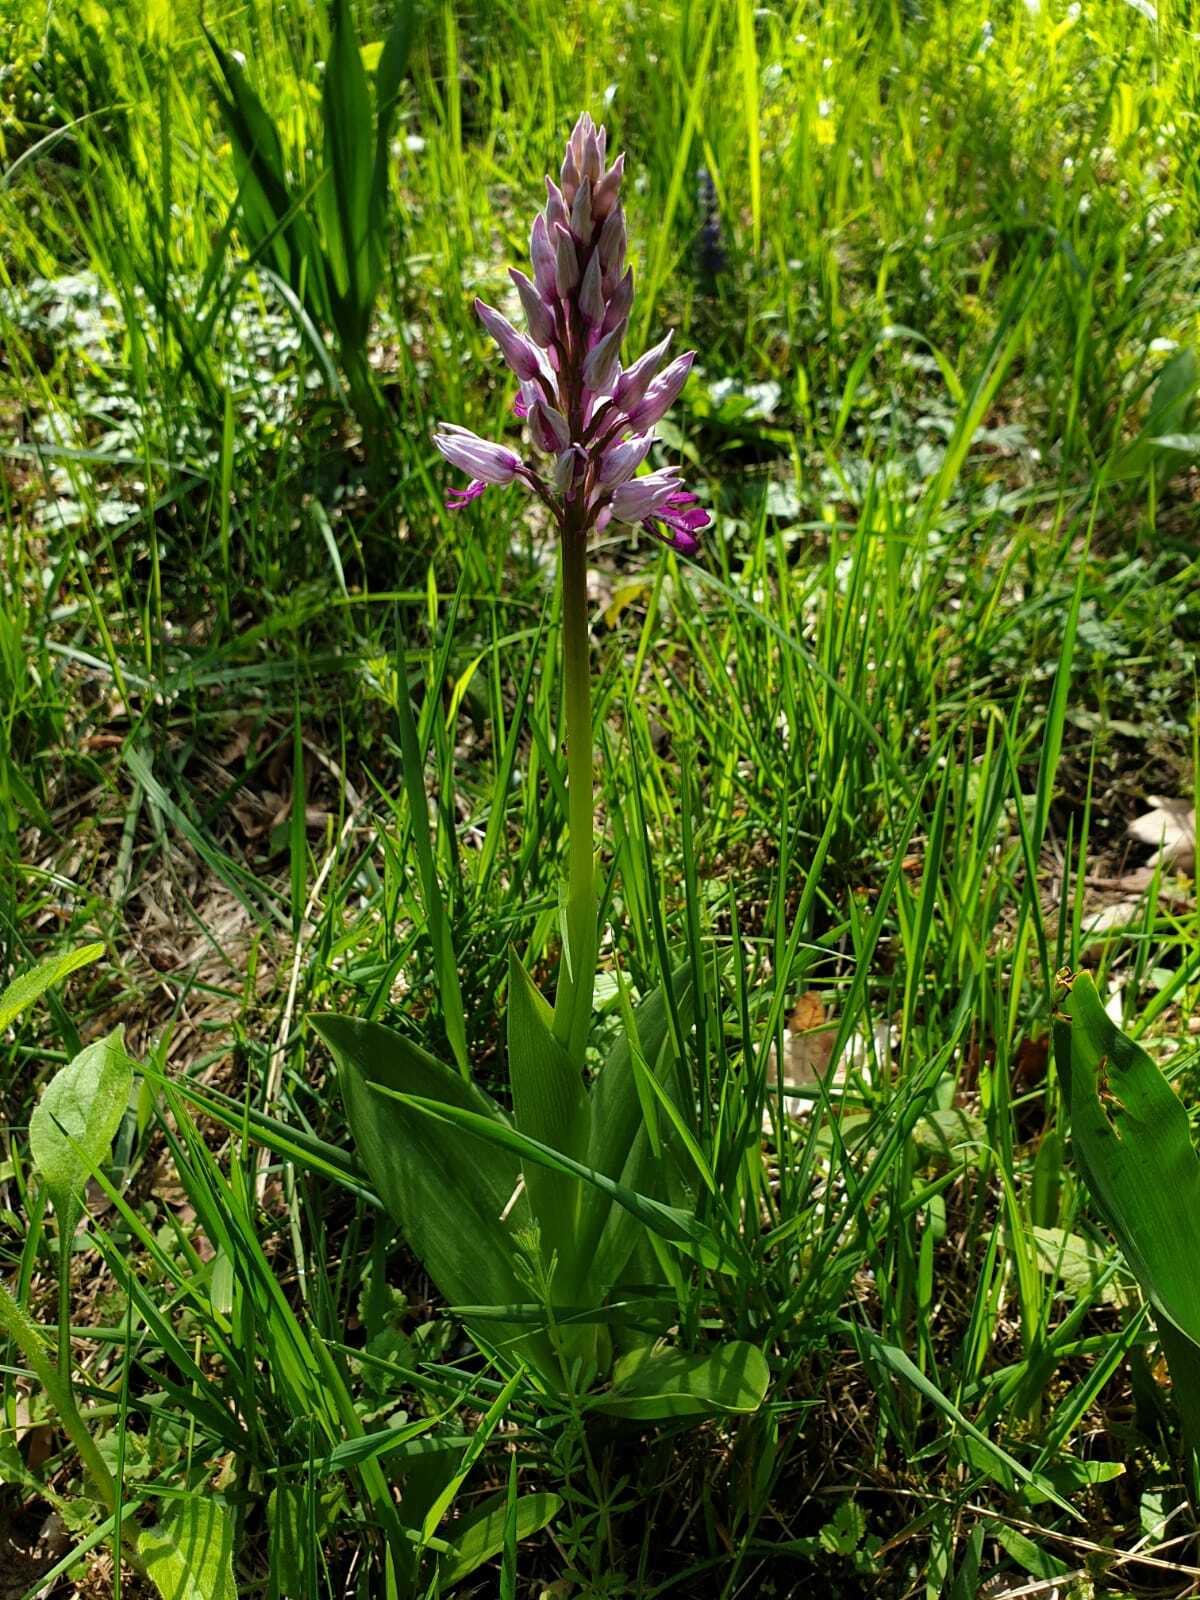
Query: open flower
{"x": 592, "y": 418}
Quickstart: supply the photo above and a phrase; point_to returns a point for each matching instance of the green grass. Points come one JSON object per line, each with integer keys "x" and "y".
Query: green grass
{"x": 879, "y": 743}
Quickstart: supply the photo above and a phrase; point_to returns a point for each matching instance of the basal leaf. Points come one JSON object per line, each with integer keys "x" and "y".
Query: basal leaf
{"x": 1134, "y": 1147}
{"x": 690, "y": 1236}
{"x": 480, "y": 1536}
{"x": 550, "y": 1105}
{"x": 455, "y": 1195}
{"x": 649, "y": 1384}
{"x": 32, "y": 985}
{"x": 618, "y": 1145}
{"x": 189, "y": 1554}
{"x": 72, "y": 1127}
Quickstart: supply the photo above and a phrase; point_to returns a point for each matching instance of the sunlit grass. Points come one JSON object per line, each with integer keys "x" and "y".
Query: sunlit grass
{"x": 878, "y": 745}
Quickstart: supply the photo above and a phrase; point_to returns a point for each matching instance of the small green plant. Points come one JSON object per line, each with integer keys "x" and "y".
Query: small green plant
{"x": 325, "y": 241}
{"x": 531, "y": 1226}
{"x": 1133, "y": 1145}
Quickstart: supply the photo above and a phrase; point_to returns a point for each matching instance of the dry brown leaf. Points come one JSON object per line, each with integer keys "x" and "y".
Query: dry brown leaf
{"x": 1171, "y": 829}
{"x": 808, "y": 1041}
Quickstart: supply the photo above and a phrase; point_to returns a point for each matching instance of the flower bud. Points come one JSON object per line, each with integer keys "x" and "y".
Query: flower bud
{"x": 491, "y": 463}
{"x": 604, "y": 195}
{"x": 552, "y": 426}
{"x": 590, "y": 165}
{"x": 591, "y": 295}
{"x": 515, "y": 347}
{"x": 662, "y": 394}
{"x": 622, "y": 459}
{"x": 635, "y": 380}
{"x": 538, "y": 314}
{"x": 566, "y": 262}
{"x": 581, "y": 212}
{"x": 612, "y": 243}
{"x": 557, "y": 212}
{"x": 541, "y": 253}
{"x": 599, "y": 370}
{"x": 569, "y": 468}
{"x": 642, "y": 497}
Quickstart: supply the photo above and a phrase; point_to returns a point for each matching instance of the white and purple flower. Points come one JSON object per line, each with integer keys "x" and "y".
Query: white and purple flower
{"x": 591, "y": 418}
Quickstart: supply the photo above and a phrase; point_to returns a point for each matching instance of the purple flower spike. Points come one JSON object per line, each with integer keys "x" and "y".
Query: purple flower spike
{"x": 593, "y": 420}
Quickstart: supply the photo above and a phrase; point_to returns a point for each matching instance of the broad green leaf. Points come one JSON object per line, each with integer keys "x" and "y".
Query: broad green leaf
{"x": 618, "y": 1145}
{"x": 72, "y": 1127}
{"x": 951, "y": 1134}
{"x": 32, "y": 985}
{"x": 679, "y": 1227}
{"x": 1133, "y": 1145}
{"x": 455, "y": 1195}
{"x": 189, "y": 1554}
{"x": 1079, "y": 1262}
{"x": 299, "y": 1516}
{"x": 345, "y": 193}
{"x": 480, "y": 1536}
{"x": 549, "y": 1104}
{"x": 651, "y": 1384}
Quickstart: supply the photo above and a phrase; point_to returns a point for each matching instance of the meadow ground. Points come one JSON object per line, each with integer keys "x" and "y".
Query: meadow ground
{"x": 279, "y": 732}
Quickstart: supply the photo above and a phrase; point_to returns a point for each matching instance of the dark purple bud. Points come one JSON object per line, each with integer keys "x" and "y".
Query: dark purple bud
{"x": 566, "y": 262}
{"x": 590, "y": 165}
{"x": 581, "y": 212}
{"x": 604, "y": 196}
{"x": 537, "y": 313}
{"x": 600, "y": 368}
{"x": 568, "y": 177}
{"x": 541, "y": 253}
{"x": 635, "y": 380}
{"x": 591, "y": 295}
{"x": 662, "y": 393}
{"x": 619, "y": 302}
{"x": 612, "y": 243}
{"x": 557, "y": 212}
{"x": 569, "y": 468}
{"x": 622, "y": 459}
{"x": 515, "y": 347}
{"x": 553, "y": 426}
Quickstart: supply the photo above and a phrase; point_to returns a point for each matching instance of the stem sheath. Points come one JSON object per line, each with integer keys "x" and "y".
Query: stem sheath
{"x": 573, "y": 1003}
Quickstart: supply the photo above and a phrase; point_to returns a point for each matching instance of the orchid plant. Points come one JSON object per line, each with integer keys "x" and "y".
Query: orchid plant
{"x": 592, "y": 423}
{"x": 528, "y": 1223}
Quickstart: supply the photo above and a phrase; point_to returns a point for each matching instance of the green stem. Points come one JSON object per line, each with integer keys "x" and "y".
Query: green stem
{"x": 573, "y": 1002}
